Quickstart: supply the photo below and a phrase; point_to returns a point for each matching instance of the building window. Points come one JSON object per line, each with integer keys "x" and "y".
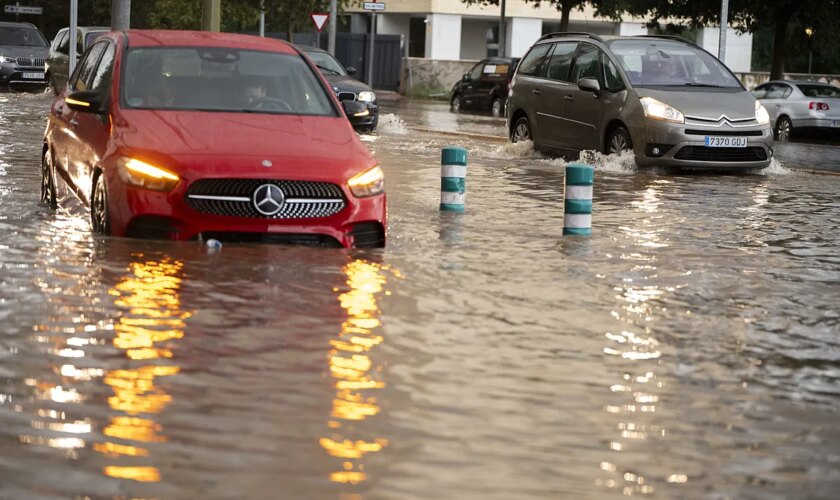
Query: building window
{"x": 417, "y": 37}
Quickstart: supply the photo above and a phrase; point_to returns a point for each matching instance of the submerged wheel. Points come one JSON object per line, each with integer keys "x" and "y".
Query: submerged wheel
{"x": 100, "y": 217}
{"x": 521, "y": 130}
{"x": 619, "y": 141}
{"x": 455, "y": 103}
{"x": 784, "y": 129}
{"x": 48, "y": 196}
{"x": 497, "y": 108}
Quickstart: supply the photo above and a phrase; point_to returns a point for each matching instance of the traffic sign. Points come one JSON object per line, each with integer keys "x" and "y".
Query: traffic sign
{"x": 320, "y": 20}
{"x": 22, "y": 9}
{"x": 374, "y": 5}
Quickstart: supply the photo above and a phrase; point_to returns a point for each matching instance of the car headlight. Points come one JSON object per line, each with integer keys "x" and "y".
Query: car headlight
{"x": 658, "y": 110}
{"x": 371, "y": 182}
{"x": 761, "y": 114}
{"x": 367, "y": 96}
{"x": 141, "y": 174}
{"x": 8, "y": 59}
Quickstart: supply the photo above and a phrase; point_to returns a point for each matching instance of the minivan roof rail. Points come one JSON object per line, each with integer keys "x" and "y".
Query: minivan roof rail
{"x": 669, "y": 37}
{"x": 570, "y": 33}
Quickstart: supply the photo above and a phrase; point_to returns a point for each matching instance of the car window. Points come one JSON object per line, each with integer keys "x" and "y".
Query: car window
{"x": 84, "y": 75}
{"x": 59, "y": 38}
{"x": 22, "y": 37}
{"x": 475, "y": 72}
{"x": 91, "y": 37}
{"x": 102, "y": 77}
{"x": 222, "y": 79}
{"x": 327, "y": 63}
{"x": 586, "y": 64}
{"x": 64, "y": 44}
{"x": 495, "y": 71}
{"x": 533, "y": 63}
{"x": 814, "y": 90}
{"x": 760, "y": 92}
{"x": 612, "y": 78}
{"x": 561, "y": 60}
{"x": 658, "y": 62}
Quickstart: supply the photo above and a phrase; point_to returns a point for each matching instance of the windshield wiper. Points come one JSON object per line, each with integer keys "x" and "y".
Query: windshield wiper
{"x": 707, "y": 85}
{"x": 328, "y": 69}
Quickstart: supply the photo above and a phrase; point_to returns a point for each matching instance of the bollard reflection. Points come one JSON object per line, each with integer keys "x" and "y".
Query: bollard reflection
{"x": 356, "y": 378}
{"x": 150, "y": 297}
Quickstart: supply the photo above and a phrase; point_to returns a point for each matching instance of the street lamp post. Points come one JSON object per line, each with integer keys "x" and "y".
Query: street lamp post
{"x": 810, "y": 32}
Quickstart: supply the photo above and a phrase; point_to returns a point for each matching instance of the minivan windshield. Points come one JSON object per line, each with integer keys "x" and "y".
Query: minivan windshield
{"x": 222, "y": 79}
{"x": 659, "y": 62}
{"x": 22, "y": 37}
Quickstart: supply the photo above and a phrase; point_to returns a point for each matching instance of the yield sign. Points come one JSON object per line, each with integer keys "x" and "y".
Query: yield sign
{"x": 320, "y": 20}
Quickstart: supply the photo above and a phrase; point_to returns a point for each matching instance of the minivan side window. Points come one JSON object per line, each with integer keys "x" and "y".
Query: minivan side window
{"x": 586, "y": 64}
{"x": 102, "y": 78}
{"x": 534, "y": 62}
{"x": 84, "y": 74}
{"x": 561, "y": 61}
{"x": 612, "y": 78}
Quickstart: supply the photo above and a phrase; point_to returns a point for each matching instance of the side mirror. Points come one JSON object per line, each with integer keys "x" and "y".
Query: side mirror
{"x": 88, "y": 101}
{"x": 351, "y": 70}
{"x": 589, "y": 84}
{"x": 355, "y": 109}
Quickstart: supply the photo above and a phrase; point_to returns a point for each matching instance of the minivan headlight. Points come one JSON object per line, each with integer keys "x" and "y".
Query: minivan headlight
{"x": 141, "y": 174}
{"x": 658, "y": 110}
{"x": 761, "y": 114}
{"x": 371, "y": 182}
{"x": 367, "y": 96}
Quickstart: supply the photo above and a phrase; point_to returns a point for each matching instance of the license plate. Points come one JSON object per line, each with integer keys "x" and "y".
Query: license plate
{"x": 34, "y": 76}
{"x": 725, "y": 142}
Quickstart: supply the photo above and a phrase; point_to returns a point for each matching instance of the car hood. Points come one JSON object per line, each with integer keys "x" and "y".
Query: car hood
{"x": 343, "y": 83}
{"x": 195, "y": 144}
{"x": 32, "y": 52}
{"x": 710, "y": 104}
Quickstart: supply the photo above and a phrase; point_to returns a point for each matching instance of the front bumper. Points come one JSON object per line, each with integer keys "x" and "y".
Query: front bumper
{"x": 369, "y": 121}
{"x": 144, "y": 213}
{"x": 13, "y": 76}
{"x": 683, "y": 145}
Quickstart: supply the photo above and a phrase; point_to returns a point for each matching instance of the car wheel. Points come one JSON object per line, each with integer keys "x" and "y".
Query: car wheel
{"x": 619, "y": 141}
{"x": 100, "y": 217}
{"x": 48, "y": 196}
{"x": 455, "y": 104}
{"x": 521, "y": 130}
{"x": 497, "y": 108}
{"x": 784, "y": 129}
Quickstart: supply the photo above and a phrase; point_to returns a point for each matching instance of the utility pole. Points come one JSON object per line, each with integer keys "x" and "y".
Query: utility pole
{"x": 211, "y": 15}
{"x": 120, "y": 15}
{"x": 74, "y": 23}
{"x": 262, "y": 18}
{"x": 810, "y": 32}
{"x": 724, "y": 26}
{"x": 333, "y": 26}
{"x": 502, "y": 32}
{"x": 370, "y": 50}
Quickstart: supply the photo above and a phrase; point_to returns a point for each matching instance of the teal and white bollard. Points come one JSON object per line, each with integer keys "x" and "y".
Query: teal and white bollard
{"x": 577, "y": 209}
{"x": 453, "y": 178}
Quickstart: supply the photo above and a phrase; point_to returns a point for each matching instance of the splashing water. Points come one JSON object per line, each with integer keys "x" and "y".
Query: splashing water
{"x": 392, "y": 124}
{"x": 776, "y": 168}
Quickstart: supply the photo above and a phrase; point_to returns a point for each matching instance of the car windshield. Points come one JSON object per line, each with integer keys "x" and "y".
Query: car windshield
{"x": 326, "y": 63}
{"x": 658, "y": 62}
{"x": 222, "y": 79}
{"x": 22, "y": 37}
{"x": 812, "y": 90}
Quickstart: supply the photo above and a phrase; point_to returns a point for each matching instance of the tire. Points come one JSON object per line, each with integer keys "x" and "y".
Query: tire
{"x": 100, "y": 215}
{"x": 48, "y": 191}
{"x": 455, "y": 103}
{"x": 783, "y": 130}
{"x": 521, "y": 130}
{"x": 497, "y": 108}
{"x": 618, "y": 141}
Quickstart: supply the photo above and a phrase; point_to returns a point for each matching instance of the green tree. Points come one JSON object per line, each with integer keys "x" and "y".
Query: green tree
{"x": 610, "y": 8}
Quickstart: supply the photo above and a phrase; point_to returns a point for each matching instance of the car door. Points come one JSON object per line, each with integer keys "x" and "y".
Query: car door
{"x": 583, "y": 109}
{"x": 79, "y": 125}
{"x": 551, "y": 119}
{"x": 471, "y": 87}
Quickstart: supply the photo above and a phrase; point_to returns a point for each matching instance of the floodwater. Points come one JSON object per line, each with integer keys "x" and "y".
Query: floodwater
{"x": 689, "y": 349}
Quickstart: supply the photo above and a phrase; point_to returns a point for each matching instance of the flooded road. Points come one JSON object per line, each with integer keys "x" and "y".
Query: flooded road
{"x": 688, "y": 349}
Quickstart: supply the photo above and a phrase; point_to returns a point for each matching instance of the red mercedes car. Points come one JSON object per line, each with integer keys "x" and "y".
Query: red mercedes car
{"x": 191, "y": 135}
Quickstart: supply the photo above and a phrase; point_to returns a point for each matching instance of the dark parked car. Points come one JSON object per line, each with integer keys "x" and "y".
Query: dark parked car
{"x": 23, "y": 50}
{"x": 485, "y": 86}
{"x": 346, "y": 88}
{"x": 58, "y": 62}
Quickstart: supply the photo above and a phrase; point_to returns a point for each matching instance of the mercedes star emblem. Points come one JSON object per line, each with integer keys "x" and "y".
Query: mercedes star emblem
{"x": 269, "y": 199}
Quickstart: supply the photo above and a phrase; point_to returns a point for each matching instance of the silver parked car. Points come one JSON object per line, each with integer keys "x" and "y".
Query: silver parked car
{"x": 801, "y": 106}
{"x": 671, "y": 102}
{"x": 58, "y": 61}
